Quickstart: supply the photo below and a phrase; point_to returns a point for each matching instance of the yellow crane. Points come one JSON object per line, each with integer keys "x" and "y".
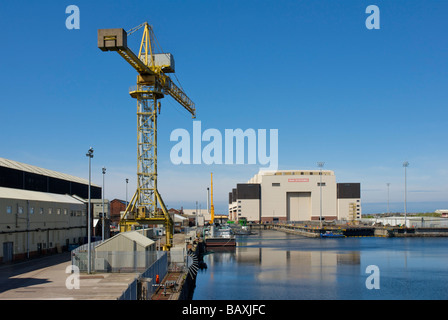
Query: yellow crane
{"x": 153, "y": 83}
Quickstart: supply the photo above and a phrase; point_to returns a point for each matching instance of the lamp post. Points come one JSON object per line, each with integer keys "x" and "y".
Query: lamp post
{"x": 320, "y": 165}
{"x": 104, "y": 173}
{"x": 405, "y": 165}
{"x": 388, "y": 185}
{"x": 208, "y": 200}
{"x": 89, "y": 154}
{"x": 127, "y": 180}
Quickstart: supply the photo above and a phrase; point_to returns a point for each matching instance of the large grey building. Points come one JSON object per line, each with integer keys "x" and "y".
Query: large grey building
{"x": 295, "y": 195}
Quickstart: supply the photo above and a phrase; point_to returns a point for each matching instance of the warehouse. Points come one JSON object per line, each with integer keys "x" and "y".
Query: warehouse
{"x": 295, "y": 195}
{"x": 124, "y": 252}
{"x": 41, "y": 211}
{"x": 34, "y": 223}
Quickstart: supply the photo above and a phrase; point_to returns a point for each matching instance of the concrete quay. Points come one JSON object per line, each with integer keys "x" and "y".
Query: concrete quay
{"x": 45, "y": 279}
{"x": 360, "y": 231}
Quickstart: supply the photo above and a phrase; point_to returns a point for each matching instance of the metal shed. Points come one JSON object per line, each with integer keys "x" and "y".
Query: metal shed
{"x": 125, "y": 252}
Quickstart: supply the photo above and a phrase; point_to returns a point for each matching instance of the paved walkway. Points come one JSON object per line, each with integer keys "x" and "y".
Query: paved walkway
{"x": 45, "y": 278}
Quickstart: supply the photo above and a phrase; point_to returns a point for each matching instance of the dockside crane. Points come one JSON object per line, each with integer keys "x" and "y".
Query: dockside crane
{"x": 153, "y": 83}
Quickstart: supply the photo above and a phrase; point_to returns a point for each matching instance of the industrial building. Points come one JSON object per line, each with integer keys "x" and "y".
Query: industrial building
{"x": 23, "y": 176}
{"x": 124, "y": 252}
{"x": 41, "y": 211}
{"x": 295, "y": 195}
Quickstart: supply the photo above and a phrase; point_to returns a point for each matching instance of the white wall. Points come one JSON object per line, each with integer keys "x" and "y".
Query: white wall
{"x": 51, "y": 224}
{"x": 250, "y": 209}
{"x": 274, "y": 198}
{"x": 344, "y": 209}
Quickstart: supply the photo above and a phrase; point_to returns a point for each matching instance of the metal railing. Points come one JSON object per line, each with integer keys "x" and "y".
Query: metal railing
{"x": 158, "y": 268}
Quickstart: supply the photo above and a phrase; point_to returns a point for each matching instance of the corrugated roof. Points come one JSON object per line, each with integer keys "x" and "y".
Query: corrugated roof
{"x": 131, "y": 235}
{"x": 19, "y": 194}
{"x": 33, "y": 169}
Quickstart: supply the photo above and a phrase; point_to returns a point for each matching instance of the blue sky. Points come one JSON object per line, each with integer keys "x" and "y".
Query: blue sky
{"x": 363, "y": 101}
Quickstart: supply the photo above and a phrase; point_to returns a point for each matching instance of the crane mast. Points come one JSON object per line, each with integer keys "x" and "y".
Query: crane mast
{"x": 152, "y": 85}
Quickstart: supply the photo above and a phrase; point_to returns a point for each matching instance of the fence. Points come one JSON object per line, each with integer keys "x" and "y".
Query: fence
{"x": 112, "y": 261}
{"x": 411, "y": 221}
{"x": 159, "y": 267}
{"x": 80, "y": 255}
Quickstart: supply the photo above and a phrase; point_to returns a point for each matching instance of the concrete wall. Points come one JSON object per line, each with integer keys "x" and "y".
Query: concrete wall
{"x": 249, "y": 208}
{"x": 277, "y": 189}
{"x": 349, "y": 209}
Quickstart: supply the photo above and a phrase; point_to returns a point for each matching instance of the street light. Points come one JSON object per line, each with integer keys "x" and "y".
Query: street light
{"x": 388, "y": 185}
{"x": 127, "y": 180}
{"x": 320, "y": 165}
{"x": 104, "y": 173}
{"x": 208, "y": 200}
{"x": 89, "y": 154}
{"x": 405, "y": 165}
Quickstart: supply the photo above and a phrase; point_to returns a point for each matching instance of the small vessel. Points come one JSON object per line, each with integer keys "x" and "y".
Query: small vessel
{"x": 243, "y": 230}
{"x": 220, "y": 237}
{"x": 331, "y": 234}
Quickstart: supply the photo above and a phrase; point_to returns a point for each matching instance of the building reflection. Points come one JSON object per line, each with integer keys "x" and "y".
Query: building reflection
{"x": 277, "y": 264}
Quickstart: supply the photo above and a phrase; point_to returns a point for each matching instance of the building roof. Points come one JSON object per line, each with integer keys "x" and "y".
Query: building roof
{"x": 45, "y": 172}
{"x": 257, "y": 178}
{"x": 19, "y": 194}
{"x": 134, "y": 236}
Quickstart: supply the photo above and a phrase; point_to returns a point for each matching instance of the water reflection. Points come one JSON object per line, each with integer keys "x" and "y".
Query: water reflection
{"x": 275, "y": 265}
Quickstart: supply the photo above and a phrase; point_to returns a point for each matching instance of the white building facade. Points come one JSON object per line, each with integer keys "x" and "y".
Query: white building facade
{"x": 295, "y": 195}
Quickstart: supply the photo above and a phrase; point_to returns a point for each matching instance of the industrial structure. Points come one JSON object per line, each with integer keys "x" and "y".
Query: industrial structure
{"x": 295, "y": 195}
{"x": 153, "y": 83}
{"x": 17, "y": 175}
{"x": 41, "y": 211}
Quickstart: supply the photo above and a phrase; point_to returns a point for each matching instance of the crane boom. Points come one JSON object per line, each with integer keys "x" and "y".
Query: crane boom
{"x": 116, "y": 40}
{"x": 177, "y": 94}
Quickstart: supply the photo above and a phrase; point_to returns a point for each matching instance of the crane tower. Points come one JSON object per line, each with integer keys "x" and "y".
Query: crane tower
{"x": 153, "y": 83}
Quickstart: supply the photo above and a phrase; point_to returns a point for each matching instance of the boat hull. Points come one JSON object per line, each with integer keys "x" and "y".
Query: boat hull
{"x": 220, "y": 242}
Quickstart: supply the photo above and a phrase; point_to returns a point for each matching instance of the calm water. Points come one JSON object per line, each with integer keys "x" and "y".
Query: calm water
{"x": 279, "y": 266}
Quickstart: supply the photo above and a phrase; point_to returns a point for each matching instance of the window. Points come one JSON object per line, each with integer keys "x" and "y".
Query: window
{"x": 50, "y": 210}
{"x": 20, "y": 210}
{"x": 31, "y": 210}
{"x": 8, "y": 209}
{"x": 276, "y": 184}
{"x": 58, "y": 211}
{"x": 65, "y": 211}
{"x": 41, "y": 210}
